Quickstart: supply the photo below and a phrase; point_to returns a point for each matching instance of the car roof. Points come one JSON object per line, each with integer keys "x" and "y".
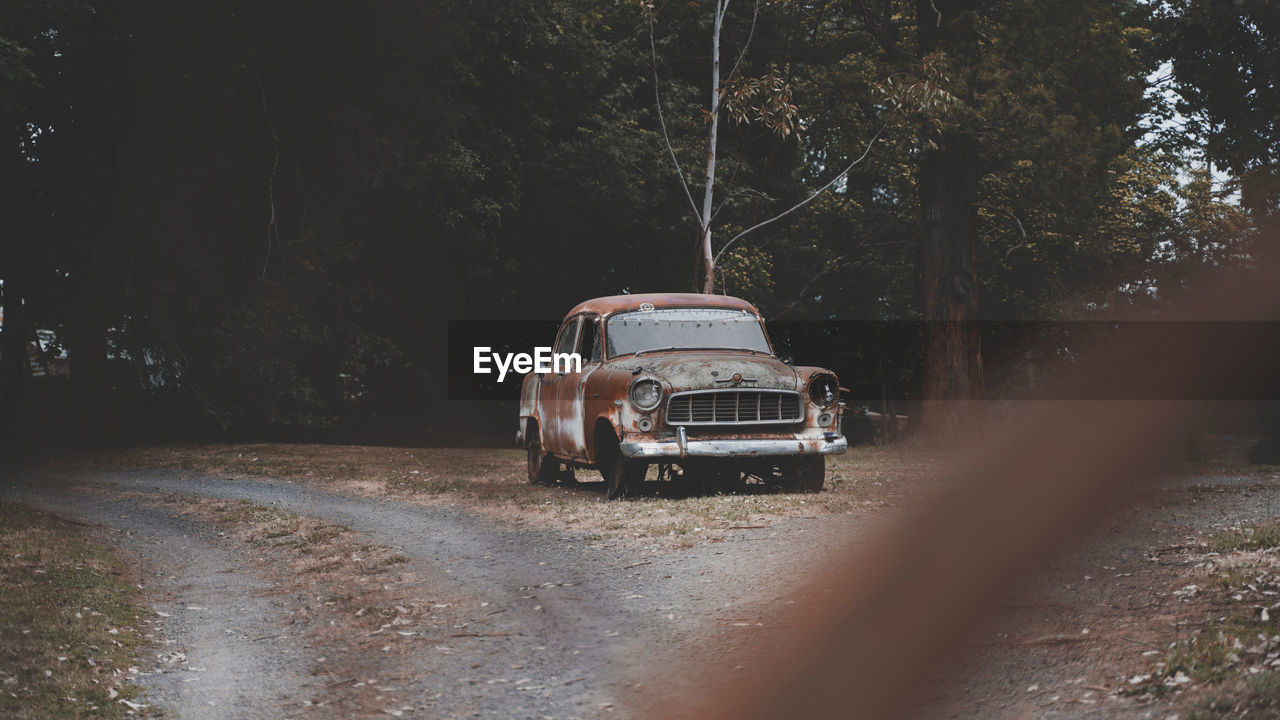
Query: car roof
{"x": 620, "y": 303}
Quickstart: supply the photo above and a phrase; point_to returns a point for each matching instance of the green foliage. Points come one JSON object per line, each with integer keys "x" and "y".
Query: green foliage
{"x": 270, "y": 210}
{"x": 1226, "y": 64}
{"x": 14, "y": 75}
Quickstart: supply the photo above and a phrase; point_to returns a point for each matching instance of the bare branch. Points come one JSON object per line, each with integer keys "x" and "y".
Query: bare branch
{"x": 737, "y": 193}
{"x": 666, "y": 139}
{"x": 1019, "y": 223}
{"x": 273, "y": 229}
{"x": 1022, "y": 230}
{"x": 755, "y": 15}
{"x": 1016, "y": 222}
{"x": 831, "y": 265}
{"x": 807, "y": 200}
{"x": 1006, "y": 211}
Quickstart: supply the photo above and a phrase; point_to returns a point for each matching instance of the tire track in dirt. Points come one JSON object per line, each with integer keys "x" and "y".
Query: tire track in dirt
{"x": 227, "y": 651}
{"x": 549, "y": 625}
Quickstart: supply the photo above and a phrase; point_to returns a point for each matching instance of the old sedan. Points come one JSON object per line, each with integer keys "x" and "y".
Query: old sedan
{"x": 689, "y": 383}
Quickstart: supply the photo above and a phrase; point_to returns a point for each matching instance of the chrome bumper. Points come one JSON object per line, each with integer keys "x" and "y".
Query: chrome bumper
{"x": 826, "y": 445}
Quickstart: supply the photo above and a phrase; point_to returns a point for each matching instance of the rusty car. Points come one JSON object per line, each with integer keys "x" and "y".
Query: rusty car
{"x": 685, "y": 383}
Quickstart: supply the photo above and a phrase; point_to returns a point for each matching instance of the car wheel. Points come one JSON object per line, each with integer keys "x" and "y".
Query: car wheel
{"x": 542, "y": 467}
{"x": 624, "y": 477}
{"x": 804, "y": 474}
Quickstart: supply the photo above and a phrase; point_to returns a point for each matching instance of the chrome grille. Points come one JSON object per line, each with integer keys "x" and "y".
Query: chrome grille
{"x": 734, "y": 407}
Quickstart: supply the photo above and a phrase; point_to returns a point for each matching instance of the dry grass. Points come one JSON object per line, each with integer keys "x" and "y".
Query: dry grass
{"x": 373, "y": 607}
{"x": 493, "y": 481}
{"x": 69, "y": 625}
{"x": 307, "y": 545}
{"x": 1231, "y": 656}
{"x": 1259, "y": 536}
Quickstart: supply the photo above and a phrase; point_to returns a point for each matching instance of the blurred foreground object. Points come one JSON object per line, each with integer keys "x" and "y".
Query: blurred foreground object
{"x": 911, "y": 593}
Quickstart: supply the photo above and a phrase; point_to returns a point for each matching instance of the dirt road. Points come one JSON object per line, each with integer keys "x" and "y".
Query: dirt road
{"x": 554, "y": 626}
{"x": 491, "y": 620}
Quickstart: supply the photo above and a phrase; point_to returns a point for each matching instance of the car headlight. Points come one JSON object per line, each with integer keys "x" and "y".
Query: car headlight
{"x": 824, "y": 390}
{"x": 645, "y": 394}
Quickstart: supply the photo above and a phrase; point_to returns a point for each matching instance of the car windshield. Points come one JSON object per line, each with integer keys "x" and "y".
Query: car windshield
{"x": 685, "y": 329}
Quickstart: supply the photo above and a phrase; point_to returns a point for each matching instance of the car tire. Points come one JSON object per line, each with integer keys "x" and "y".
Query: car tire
{"x": 805, "y": 474}
{"x": 542, "y": 466}
{"x": 625, "y": 476}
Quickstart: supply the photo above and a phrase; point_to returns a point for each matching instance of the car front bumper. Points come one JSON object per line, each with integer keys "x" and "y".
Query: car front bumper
{"x": 829, "y": 444}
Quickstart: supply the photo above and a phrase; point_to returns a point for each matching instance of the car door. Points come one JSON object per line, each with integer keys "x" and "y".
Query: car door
{"x": 573, "y": 387}
{"x": 552, "y": 408}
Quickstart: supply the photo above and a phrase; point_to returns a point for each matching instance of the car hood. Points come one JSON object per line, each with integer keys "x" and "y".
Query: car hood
{"x": 692, "y": 370}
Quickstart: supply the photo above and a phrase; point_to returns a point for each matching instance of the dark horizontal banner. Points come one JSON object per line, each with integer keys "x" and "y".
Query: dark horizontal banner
{"x": 873, "y": 359}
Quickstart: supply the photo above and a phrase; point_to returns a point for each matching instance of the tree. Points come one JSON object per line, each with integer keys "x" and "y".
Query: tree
{"x": 1036, "y": 96}
{"x": 766, "y": 100}
{"x": 1226, "y": 67}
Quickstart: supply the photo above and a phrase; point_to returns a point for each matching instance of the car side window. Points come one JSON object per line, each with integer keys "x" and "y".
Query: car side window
{"x": 589, "y": 339}
{"x": 568, "y": 333}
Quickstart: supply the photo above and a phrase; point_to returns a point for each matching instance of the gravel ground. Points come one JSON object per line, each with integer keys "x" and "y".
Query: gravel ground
{"x": 575, "y": 621}
{"x": 557, "y": 625}
{"x": 226, "y": 650}
{"x": 1062, "y": 645}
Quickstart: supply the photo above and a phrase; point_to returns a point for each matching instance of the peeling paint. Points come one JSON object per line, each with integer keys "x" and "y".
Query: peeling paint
{"x": 567, "y": 407}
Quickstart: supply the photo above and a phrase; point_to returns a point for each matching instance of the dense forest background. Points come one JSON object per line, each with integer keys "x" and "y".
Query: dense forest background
{"x": 259, "y": 218}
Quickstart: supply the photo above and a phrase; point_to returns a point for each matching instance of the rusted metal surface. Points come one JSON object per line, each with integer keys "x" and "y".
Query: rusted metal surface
{"x": 580, "y": 416}
{"x": 615, "y": 303}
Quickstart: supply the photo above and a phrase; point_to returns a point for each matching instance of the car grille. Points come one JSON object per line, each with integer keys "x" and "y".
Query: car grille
{"x": 734, "y": 407}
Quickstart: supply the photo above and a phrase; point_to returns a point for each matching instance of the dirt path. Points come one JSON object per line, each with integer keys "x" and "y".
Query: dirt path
{"x": 551, "y": 625}
{"x": 537, "y": 623}
{"x": 226, "y": 650}
{"x": 1101, "y": 612}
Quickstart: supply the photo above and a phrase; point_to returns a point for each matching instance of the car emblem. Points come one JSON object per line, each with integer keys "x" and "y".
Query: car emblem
{"x": 737, "y": 378}
{"x": 646, "y": 307}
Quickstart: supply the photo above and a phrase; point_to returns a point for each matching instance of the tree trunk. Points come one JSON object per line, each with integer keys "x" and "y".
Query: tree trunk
{"x": 708, "y": 264}
{"x": 87, "y": 347}
{"x": 15, "y": 387}
{"x": 948, "y": 183}
{"x": 713, "y": 124}
{"x": 948, "y": 186}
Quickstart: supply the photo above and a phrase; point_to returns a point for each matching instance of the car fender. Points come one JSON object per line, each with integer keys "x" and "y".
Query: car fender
{"x": 528, "y": 409}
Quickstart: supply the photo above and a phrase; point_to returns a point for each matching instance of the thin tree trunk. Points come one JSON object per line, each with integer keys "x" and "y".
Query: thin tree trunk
{"x": 88, "y": 351}
{"x": 708, "y": 194}
{"x": 15, "y": 386}
{"x": 889, "y": 432}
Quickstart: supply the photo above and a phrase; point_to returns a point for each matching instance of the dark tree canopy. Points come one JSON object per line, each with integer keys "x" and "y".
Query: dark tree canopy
{"x": 260, "y": 217}
{"x": 1226, "y": 62}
